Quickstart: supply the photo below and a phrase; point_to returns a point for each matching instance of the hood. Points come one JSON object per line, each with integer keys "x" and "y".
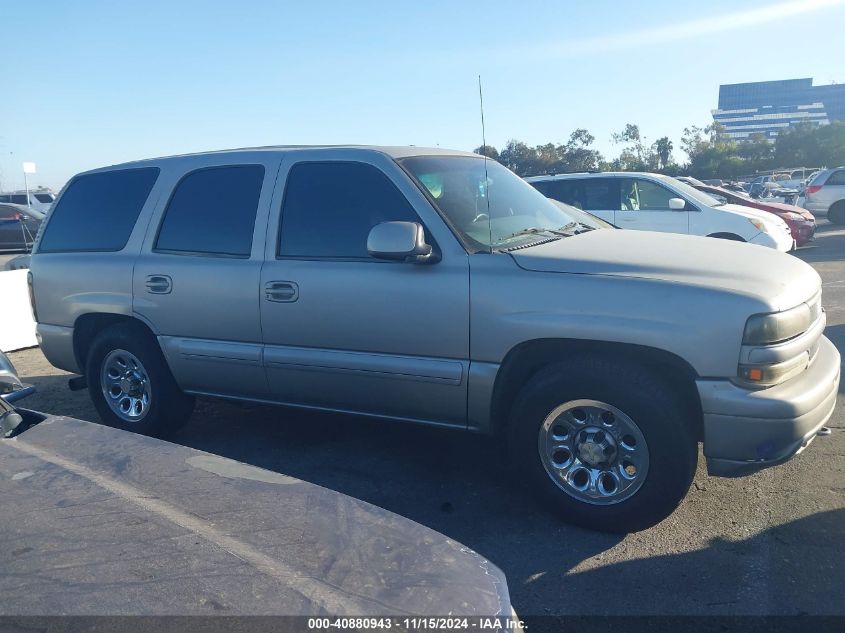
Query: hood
{"x": 779, "y": 280}
{"x": 750, "y": 212}
{"x": 248, "y": 540}
{"x": 782, "y": 207}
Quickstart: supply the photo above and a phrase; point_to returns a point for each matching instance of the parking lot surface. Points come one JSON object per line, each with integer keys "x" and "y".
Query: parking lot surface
{"x": 769, "y": 544}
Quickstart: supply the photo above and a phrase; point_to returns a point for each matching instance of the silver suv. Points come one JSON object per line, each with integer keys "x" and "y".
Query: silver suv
{"x": 825, "y": 195}
{"x": 434, "y": 287}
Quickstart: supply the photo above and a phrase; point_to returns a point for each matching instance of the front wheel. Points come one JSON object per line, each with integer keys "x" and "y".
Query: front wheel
{"x": 607, "y": 445}
{"x": 131, "y": 385}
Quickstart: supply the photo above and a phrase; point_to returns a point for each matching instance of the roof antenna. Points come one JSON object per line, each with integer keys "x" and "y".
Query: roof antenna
{"x": 484, "y": 153}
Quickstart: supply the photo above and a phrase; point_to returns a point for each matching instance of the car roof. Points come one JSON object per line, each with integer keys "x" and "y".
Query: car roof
{"x": 393, "y": 151}
{"x": 595, "y": 174}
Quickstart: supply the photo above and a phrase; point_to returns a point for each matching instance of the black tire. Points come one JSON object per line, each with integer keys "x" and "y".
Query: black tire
{"x": 648, "y": 400}
{"x": 727, "y": 236}
{"x": 169, "y": 408}
{"x": 836, "y": 213}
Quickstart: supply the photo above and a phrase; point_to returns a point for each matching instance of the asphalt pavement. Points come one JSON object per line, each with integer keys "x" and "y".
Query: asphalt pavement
{"x": 768, "y": 544}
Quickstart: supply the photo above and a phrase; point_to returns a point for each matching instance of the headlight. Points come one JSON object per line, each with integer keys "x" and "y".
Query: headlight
{"x": 766, "y": 329}
{"x": 758, "y": 224}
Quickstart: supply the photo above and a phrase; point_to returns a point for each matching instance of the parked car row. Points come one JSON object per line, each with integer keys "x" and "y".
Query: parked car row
{"x": 437, "y": 287}
{"x": 18, "y": 226}
{"x": 802, "y": 223}
{"x": 821, "y": 193}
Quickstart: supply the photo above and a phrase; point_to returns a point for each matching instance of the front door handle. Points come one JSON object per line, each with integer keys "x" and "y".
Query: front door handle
{"x": 281, "y": 291}
{"x": 159, "y": 284}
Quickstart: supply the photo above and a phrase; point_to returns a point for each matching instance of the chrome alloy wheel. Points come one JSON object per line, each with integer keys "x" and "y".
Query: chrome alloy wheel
{"x": 593, "y": 452}
{"x": 125, "y": 385}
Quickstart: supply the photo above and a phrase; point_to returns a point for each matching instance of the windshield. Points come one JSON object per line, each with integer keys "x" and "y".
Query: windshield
{"x": 691, "y": 192}
{"x": 499, "y": 210}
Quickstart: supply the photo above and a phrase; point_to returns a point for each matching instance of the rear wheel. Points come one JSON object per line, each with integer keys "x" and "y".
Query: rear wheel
{"x": 131, "y": 385}
{"x": 836, "y": 213}
{"x": 605, "y": 444}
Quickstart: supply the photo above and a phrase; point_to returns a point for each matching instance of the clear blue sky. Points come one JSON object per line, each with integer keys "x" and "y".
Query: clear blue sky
{"x": 93, "y": 83}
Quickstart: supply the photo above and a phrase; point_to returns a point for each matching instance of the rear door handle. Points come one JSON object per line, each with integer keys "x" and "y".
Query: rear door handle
{"x": 159, "y": 284}
{"x": 281, "y": 291}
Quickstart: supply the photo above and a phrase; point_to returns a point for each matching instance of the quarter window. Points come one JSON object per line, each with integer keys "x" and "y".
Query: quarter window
{"x": 329, "y": 209}
{"x": 98, "y": 211}
{"x": 212, "y": 211}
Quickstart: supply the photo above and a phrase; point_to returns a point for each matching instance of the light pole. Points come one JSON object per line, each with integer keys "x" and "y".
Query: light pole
{"x": 28, "y": 168}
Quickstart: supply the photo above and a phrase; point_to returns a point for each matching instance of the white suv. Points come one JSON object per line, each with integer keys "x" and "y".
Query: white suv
{"x": 653, "y": 202}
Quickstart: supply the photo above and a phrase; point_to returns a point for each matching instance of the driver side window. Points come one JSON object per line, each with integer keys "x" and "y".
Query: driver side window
{"x": 639, "y": 194}
{"x": 330, "y": 207}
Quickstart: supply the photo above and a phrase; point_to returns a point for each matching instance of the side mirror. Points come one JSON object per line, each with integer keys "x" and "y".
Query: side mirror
{"x": 677, "y": 204}
{"x": 399, "y": 241}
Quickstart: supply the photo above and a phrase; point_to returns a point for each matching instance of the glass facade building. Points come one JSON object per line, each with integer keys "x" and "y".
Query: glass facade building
{"x": 768, "y": 107}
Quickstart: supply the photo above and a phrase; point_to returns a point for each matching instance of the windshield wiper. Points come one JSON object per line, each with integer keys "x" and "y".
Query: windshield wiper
{"x": 574, "y": 228}
{"x": 532, "y": 231}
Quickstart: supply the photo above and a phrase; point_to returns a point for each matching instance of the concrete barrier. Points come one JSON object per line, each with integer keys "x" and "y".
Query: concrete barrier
{"x": 17, "y": 328}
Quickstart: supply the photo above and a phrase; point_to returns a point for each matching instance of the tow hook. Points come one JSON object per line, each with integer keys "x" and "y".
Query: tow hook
{"x": 824, "y": 431}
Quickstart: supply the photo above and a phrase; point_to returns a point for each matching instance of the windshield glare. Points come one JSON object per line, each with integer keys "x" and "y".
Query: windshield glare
{"x": 488, "y": 210}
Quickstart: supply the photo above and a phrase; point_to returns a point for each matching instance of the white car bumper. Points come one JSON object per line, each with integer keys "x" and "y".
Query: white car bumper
{"x": 780, "y": 241}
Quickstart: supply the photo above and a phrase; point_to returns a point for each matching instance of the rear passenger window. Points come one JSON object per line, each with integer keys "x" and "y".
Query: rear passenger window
{"x": 836, "y": 178}
{"x": 329, "y": 209}
{"x": 212, "y": 211}
{"x": 98, "y": 211}
{"x": 567, "y": 191}
{"x": 600, "y": 194}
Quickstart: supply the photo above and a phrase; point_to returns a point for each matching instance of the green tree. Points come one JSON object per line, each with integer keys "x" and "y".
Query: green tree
{"x": 519, "y": 158}
{"x": 576, "y": 153}
{"x": 487, "y": 150}
{"x": 757, "y": 151}
{"x": 637, "y": 156}
{"x": 831, "y": 144}
{"x": 662, "y": 148}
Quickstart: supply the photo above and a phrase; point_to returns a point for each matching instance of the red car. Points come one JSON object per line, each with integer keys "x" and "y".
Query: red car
{"x": 802, "y": 223}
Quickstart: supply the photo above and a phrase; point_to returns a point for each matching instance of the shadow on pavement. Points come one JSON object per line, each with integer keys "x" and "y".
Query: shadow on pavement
{"x": 458, "y": 485}
{"x": 830, "y": 249}
{"x": 761, "y": 575}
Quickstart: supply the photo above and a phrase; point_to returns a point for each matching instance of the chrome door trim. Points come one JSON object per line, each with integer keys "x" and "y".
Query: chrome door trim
{"x": 415, "y": 368}
{"x": 310, "y": 407}
{"x": 211, "y": 350}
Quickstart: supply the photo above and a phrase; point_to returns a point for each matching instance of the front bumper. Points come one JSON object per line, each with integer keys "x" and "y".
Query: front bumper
{"x": 746, "y": 431}
{"x": 783, "y": 242}
{"x": 803, "y": 231}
